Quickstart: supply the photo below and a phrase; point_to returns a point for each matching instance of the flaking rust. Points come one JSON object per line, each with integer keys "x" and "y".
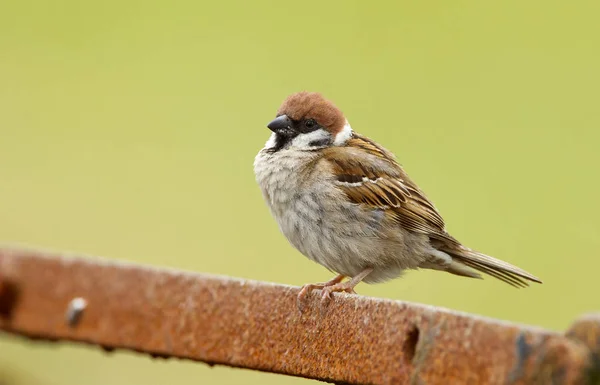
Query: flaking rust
{"x": 254, "y": 325}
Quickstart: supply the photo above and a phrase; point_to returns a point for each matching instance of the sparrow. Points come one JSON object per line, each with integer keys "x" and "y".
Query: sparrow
{"x": 343, "y": 201}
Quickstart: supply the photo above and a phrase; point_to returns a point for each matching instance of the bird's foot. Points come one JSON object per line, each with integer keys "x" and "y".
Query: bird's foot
{"x": 342, "y": 287}
{"x": 335, "y": 285}
{"x": 306, "y": 289}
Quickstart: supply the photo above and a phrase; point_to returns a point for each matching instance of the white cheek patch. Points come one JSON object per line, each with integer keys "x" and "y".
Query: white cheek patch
{"x": 272, "y": 141}
{"x": 310, "y": 139}
{"x": 342, "y": 137}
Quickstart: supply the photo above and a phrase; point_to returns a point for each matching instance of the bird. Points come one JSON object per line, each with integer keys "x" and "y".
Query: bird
{"x": 345, "y": 202}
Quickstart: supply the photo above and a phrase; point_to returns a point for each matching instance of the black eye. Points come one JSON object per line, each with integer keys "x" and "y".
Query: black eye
{"x": 310, "y": 123}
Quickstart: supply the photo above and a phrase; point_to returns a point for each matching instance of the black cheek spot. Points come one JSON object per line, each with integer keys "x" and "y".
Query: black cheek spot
{"x": 319, "y": 143}
{"x": 281, "y": 141}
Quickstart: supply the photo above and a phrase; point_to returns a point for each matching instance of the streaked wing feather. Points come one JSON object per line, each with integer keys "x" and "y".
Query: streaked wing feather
{"x": 370, "y": 175}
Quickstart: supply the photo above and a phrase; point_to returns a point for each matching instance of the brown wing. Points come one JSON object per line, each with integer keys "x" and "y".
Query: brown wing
{"x": 370, "y": 175}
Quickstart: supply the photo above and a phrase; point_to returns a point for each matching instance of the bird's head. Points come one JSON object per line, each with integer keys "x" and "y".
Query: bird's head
{"x": 308, "y": 121}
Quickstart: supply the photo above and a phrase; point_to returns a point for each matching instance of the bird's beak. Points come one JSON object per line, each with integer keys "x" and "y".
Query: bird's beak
{"x": 282, "y": 125}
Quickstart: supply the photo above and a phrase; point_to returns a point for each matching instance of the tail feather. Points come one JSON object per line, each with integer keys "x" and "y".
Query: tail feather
{"x": 512, "y": 280}
{"x": 496, "y": 268}
{"x": 462, "y": 270}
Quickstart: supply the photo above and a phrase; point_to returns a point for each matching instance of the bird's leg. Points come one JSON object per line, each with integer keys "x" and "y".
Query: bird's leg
{"x": 347, "y": 286}
{"x": 311, "y": 286}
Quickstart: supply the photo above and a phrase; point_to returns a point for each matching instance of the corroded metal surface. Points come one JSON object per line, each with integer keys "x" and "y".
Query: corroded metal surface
{"x": 256, "y": 325}
{"x": 586, "y": 330}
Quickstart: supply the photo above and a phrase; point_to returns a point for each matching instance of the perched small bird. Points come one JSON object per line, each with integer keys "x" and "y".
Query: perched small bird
{"x": 344, "y": 202}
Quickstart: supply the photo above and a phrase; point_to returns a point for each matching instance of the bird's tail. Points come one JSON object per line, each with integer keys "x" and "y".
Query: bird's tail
{"x": 496, "y": 268}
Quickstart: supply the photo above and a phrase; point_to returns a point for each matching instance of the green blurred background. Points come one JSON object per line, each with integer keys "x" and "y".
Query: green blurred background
{"x": 129, "y": 128}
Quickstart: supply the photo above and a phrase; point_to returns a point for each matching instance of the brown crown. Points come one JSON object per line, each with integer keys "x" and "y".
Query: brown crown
{"x": 313, "y": 105}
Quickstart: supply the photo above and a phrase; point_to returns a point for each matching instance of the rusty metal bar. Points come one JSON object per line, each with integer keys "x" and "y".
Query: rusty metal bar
{"x": 256, "y": 325}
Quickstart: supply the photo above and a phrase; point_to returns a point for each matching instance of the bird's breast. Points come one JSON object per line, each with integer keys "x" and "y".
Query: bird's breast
{"x": 317, "y": 218}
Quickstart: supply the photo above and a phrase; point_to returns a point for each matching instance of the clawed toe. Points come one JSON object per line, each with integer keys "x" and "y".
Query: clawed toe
{"x": 326, "y": 295}
{"x": 306, "y": 289}
{"x": 340, "y": 287}
{"x": 331, "y": 286}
